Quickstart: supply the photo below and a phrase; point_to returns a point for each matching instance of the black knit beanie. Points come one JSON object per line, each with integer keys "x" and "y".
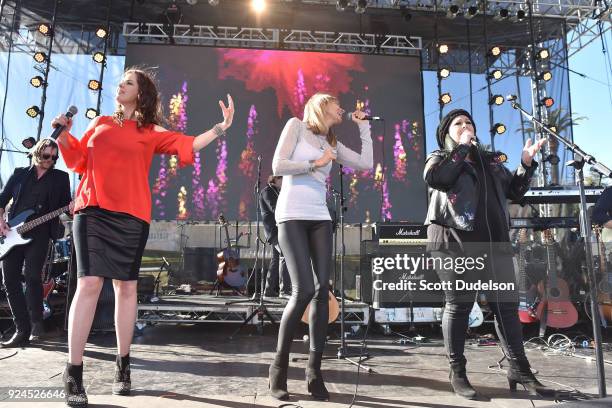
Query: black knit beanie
{"x": 445, "y": 124}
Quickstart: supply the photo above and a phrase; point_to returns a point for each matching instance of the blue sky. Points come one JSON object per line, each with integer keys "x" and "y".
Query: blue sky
{"x": 68, "y": 85}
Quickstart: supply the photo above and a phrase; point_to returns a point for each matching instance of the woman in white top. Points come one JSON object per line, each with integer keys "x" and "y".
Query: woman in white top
{"x": 303, "y": 157}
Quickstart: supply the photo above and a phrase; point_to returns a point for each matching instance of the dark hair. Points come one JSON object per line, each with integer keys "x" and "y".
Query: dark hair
{"x": 272, "y": 178}
{"x": 40, "y": 147}
{"x": 148, "y": 105}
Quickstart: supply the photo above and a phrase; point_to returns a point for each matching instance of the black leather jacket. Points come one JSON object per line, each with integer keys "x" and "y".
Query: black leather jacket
{"x": 453, "y": 187}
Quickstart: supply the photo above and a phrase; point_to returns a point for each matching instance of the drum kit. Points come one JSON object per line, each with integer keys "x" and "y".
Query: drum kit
{"x": 55, "y": 271}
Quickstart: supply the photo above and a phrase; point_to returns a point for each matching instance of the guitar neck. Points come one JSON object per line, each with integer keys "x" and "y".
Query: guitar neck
{"x": 41, "y": 220}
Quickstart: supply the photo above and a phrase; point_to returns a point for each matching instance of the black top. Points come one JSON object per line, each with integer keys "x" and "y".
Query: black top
{"x": 267, "y": 202}
{"x": 602, "y": 212}
{"x": 50, "y": 192}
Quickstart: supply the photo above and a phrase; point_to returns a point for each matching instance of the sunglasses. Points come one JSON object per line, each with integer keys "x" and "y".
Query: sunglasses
{"x": 47, "y": 156}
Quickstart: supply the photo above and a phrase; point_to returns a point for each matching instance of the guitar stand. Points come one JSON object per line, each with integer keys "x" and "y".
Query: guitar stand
{"x": 223, "y": 285}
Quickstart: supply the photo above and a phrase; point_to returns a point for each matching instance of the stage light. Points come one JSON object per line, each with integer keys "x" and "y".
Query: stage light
{"x": 553, "y": 128}
{"x": 543, "y": 54}
{"x": 547, "y": 101}
{"x": 443, "y": 48}
{"x": 28, "y": 142}
{"x": 495, "y": 74}
{"x": 501, "y": 14}
{"x": 452, "y": 11}
{"x": 94, "y": 85}
{"x": 45, "y": 29}
{"x": 258, "y": 6}
{"x": 91, "y": 113}
{"x": 101, "y": 32}
{"x": 40, "y": 57}
{"x": 496, "y": 100}
{"x": 341, "y": 5}
{"x": 37, "y": 81}
{"x": 360, "y": 6}
{"x": 213, "y": 3}
{"x": 444, "y": 73}
{"x": 518, "y": 17}
{"x": 498, "y": 128}
{"x": 545, "y": 76}
{"x": 445, "y": 99}
{"x": 99, "y": 57}
{"x": 471, "y": 12}
{"x": 33, "y": 111}
{"x": 495, "y": 51}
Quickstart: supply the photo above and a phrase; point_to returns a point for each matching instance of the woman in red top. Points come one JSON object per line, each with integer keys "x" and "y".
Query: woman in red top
{"x": 113, "y": 211}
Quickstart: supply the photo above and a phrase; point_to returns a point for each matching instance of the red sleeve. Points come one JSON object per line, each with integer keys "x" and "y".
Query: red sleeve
{"x": 75, "y": 154}
{"x": 169, "y": 142}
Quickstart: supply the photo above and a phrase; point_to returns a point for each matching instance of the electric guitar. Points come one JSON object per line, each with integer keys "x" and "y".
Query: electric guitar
{"x": 527, "y": 296}
{"x": 555, "y": 309}
{"x": 19, "y": 226}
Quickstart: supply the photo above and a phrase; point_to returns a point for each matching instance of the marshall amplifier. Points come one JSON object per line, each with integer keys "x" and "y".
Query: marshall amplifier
{"x": 398, "y": 233}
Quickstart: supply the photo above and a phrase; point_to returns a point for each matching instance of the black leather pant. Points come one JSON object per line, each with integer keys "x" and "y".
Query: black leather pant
{"x": 307, "y": 246}
{"x": 25, "y": 261}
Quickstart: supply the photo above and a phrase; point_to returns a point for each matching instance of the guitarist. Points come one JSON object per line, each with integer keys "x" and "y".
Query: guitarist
{"x": 277, "y": 271}
{"x": 602, "y": 211}
{"x": 43, "y": 188}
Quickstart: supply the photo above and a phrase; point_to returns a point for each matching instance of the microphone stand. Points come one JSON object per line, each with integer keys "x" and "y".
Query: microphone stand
{"x": 580, "y": 159}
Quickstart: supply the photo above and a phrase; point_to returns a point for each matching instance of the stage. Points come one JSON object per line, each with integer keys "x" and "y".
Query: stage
{"x": 191, "y": 365}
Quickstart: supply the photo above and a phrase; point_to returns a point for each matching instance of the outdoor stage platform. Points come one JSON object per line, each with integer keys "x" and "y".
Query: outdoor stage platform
{"x": 194, "y": 365}
{"x": 224, "y": 309}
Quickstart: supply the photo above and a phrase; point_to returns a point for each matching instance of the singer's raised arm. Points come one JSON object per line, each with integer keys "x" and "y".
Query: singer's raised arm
{"x": 354, "y": 160}
{"x": 74, "y": 151}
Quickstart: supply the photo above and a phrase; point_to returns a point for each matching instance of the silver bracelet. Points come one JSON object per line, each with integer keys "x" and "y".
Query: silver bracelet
{"x": 218, "y": 130}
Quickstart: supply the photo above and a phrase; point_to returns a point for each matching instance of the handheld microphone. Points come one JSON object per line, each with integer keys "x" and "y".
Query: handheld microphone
{"x": 59, "y": 129}
{"x": 349, "y": 116}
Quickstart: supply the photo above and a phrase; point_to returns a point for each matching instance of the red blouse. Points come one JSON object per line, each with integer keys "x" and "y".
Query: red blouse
{"x": 115, "y": 160}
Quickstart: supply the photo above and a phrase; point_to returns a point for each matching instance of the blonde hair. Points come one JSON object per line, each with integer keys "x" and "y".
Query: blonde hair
{"x": 40, "y": 147}
{"x": 314, "y": 115}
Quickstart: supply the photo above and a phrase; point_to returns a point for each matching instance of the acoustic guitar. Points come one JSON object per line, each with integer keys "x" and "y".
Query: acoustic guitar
{"x": 229, "y": 270}
{"x": 527, "y": 295}
{"x": 555, "y": 310}
{"x": 334, "y": 310}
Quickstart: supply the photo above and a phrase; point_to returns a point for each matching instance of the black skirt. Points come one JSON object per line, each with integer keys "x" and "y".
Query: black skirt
{"x": 109, "y": 244}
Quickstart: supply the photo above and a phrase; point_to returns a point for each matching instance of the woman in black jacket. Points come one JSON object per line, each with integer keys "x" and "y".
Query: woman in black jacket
{"x": 468, "y": 216}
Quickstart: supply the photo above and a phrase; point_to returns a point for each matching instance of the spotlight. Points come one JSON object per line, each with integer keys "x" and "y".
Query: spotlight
{"x": 91, "y": 113}
{"x": 45, "y": 29}
{"x": 360, "y": 6}
{"x": 443, "y": 48}
{"x": 101, "y": 32}
{"x": 258, "y": 6}
{"x": 545, "y": 76}
{"x": 471, "y": 12}
{"x": 40, "y": 57}
{"x": 99, "y": 57}
{"x": 452, "y": 11}
{"x": 33, "y": 111}
{"x": 547, "y": 101}
{"x": 553, "y": 128}
{"x": 543, "y": 54}
{"x": 518, "y": 17}
{"x": 94, "y": 85}
{"x": 341, "y": 5}
{"x": 501, "y": 14}
{"x": 445, "y": 99}
{"x": 37, "y": 81}
{"x": 213, "y": 3}
{"x": 496, "y": 100}
{"x": 28, "y": 142}
{"x": 498, "y": 128}
{"x": 495, "y": 51}
{"x": 495, "y": 74}
{"x": 443, "y": 73}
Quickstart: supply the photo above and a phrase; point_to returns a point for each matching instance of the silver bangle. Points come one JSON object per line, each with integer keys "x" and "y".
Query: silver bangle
{"x": 218, "y": 130}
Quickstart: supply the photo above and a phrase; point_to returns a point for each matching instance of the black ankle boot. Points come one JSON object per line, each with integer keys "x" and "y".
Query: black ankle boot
{"x": 19, "y": 339}
{"x": 520, "y": 373}
{"x": 73, "y": 386}
{"x": 459, "y": 381}
{"x": 122, "y": 384}
{"x": 314, "y": 377}
{"x": 277, "y": 379}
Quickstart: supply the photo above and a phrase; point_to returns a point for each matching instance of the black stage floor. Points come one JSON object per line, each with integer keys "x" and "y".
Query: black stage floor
{"x": 196, "y": 365}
